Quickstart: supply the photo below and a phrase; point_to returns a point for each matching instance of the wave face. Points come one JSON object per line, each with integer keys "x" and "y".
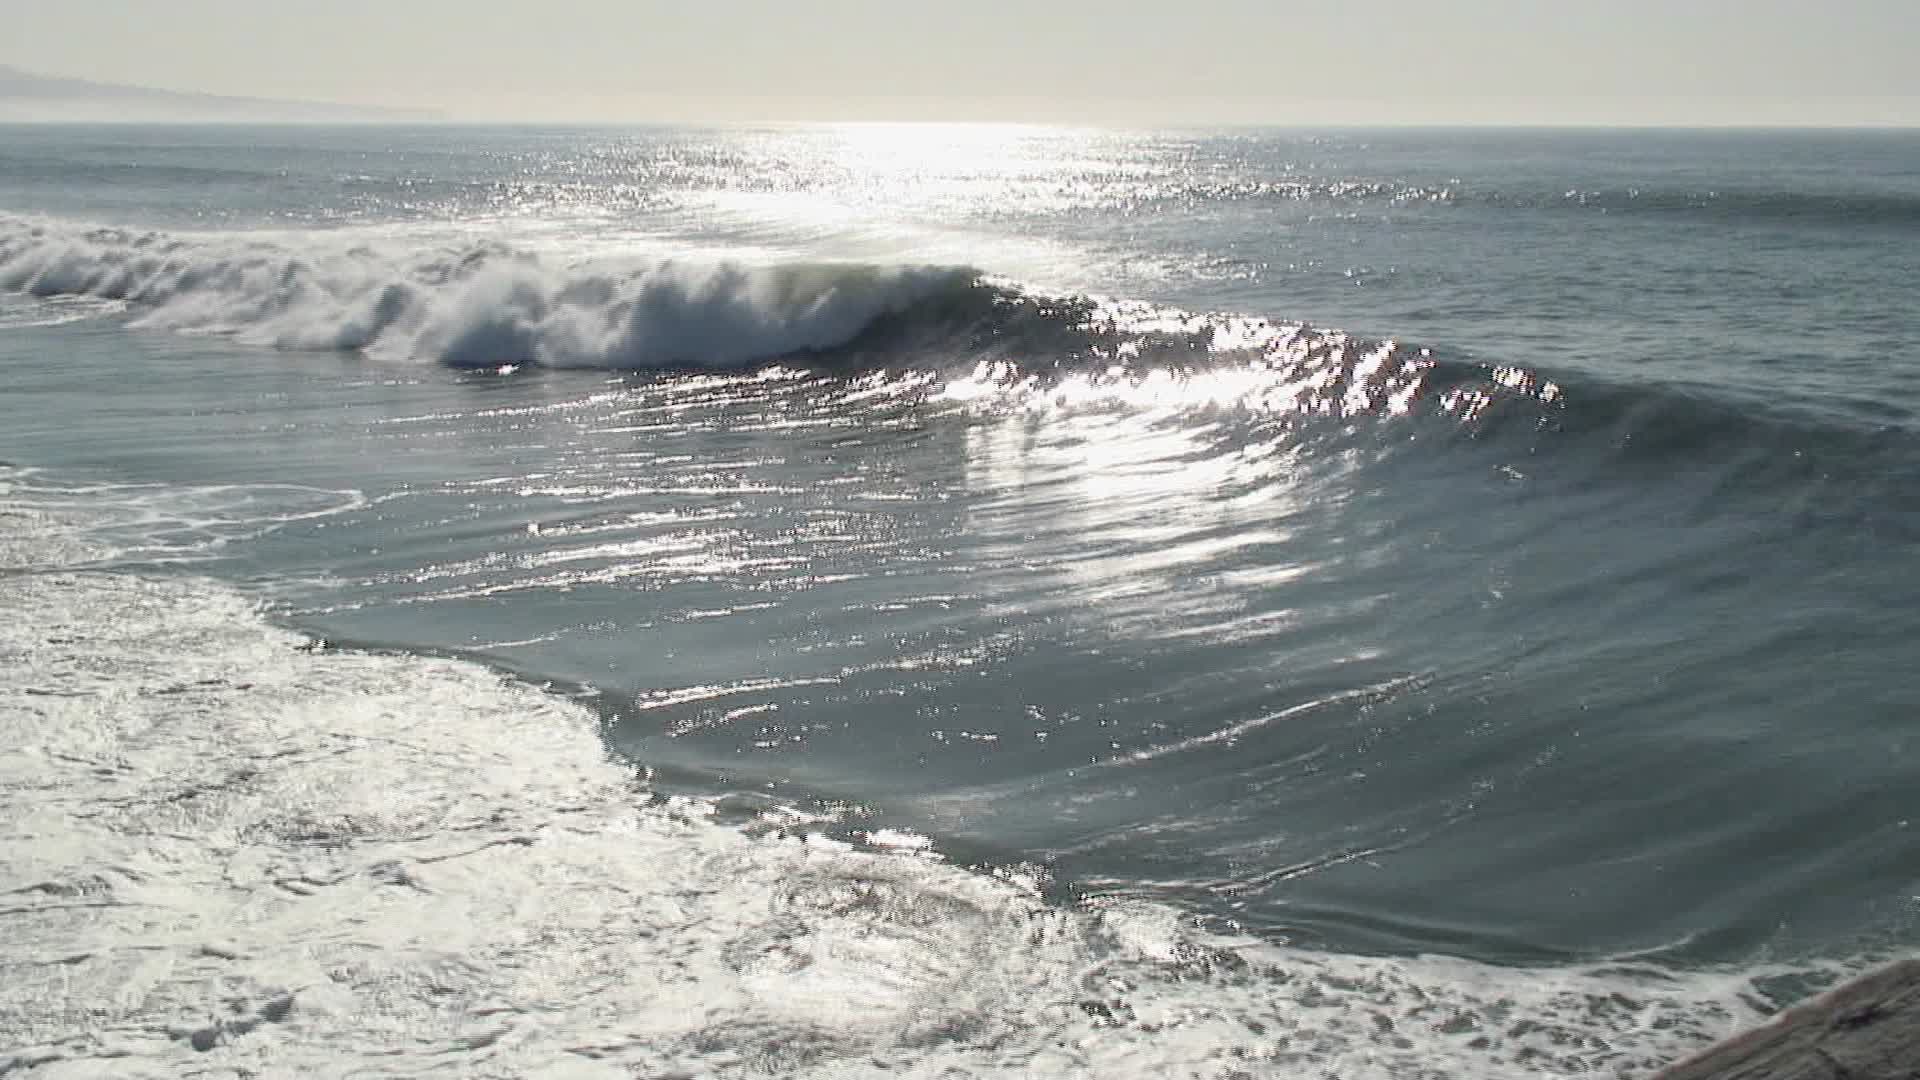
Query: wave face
{"x": 1763, "y": 206}
{"x": 247, "y": 853}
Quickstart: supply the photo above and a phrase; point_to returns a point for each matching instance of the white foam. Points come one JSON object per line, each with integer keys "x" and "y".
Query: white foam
{"x": 27, "y": 312}
{"x": 47, "y": 524}
{"x": 227, "y": 855}
{"x": 477, "y": 305}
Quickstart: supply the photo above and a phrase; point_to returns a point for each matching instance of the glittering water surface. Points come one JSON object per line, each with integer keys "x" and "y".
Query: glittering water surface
{"x": 963, "y": 614}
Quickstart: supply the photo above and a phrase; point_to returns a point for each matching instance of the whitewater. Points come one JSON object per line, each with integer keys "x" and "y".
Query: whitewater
{"x": 1030, "y": 602}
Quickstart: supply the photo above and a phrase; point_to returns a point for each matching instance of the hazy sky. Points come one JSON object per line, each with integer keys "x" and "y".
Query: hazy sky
{"x": 1280, "y": 61}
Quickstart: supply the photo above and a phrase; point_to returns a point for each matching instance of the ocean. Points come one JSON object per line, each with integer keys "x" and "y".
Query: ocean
{"x": 950, "y": 601}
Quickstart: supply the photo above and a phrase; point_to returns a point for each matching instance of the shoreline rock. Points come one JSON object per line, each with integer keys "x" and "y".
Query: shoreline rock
{"x": 1867, "y": 1029}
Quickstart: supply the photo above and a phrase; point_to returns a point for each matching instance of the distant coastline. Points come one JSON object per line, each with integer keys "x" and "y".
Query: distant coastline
{"x": 28, "y": 97}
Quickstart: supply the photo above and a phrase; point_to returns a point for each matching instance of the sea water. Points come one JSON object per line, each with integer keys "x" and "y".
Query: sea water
{"x": 949, "y": 601}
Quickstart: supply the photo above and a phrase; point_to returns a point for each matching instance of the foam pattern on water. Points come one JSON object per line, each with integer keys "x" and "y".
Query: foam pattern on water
{"x": 227, "y": 852}
{"x": 47, "y": 523}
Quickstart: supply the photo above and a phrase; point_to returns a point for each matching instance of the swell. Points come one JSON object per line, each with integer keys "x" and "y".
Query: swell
{"x": 67, "y": 173}
{"x": 1709, "y": 202}
{"x": 1864, "y": 208}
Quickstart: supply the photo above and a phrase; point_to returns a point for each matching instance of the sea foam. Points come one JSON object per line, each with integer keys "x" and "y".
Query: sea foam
{"x": 479, "y": 306}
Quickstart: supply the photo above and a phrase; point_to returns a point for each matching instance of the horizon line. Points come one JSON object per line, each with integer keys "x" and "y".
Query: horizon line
{"x": 1186, "y": 125}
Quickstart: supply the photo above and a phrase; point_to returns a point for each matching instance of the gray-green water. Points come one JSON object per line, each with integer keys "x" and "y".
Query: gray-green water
{"x": 1560, "y": 610}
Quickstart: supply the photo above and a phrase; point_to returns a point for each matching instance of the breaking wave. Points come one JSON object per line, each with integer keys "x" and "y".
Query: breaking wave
{"x": 490, "y": 306}
{"x": 494, "y": 307}
{"x": 483, "y": 306}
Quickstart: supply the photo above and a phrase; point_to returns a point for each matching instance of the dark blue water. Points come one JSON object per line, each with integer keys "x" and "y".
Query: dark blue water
{"x": 1012, "y": 488}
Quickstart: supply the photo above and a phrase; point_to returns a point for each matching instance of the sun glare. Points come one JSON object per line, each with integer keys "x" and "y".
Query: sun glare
{"x": 937, "y": 149}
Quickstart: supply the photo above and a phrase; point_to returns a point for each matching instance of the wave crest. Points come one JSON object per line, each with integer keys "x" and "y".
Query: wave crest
{"x": 490, "y": 306}
{"x": 484, "y": 306}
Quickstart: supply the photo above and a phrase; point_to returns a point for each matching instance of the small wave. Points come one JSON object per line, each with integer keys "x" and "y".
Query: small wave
{"x": 1839, "y": 208}
{"x": 1355, "y": 194}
